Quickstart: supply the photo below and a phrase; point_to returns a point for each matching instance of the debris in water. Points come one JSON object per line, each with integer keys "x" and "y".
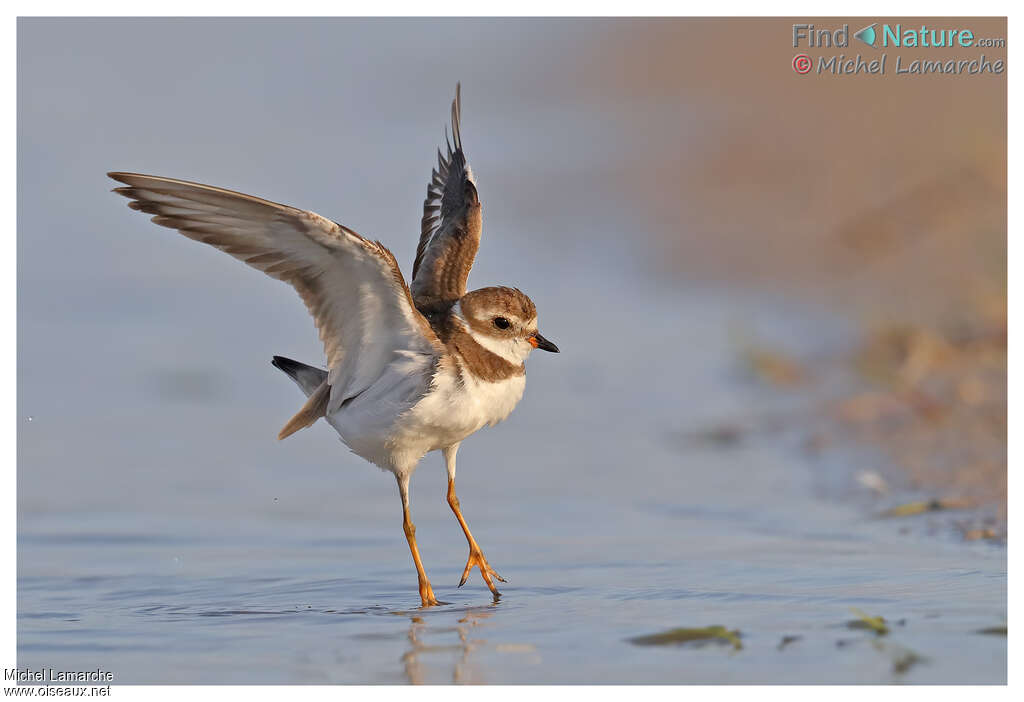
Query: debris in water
{"x": 922, "y": 506}
{"x": 866, "y": 621}
{"x": 993, "y": 631}
{"x": 970, "y": 532}
{"x": 787, "y": 640}
{"x": 678, "y": 637}
{"x": 722, "y": 435}
{"x": 774, "y": 367}
{"x": 873, "y": 482}
{"x": 903, "y": 658}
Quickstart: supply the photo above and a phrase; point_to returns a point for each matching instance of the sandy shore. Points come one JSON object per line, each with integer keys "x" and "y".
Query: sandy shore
{"x": 882, "y": 196}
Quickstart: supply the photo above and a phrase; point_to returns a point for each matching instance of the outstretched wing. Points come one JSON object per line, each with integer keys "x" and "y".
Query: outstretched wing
{"x": 352, "y": 286}
{"x": 450, "y": 229}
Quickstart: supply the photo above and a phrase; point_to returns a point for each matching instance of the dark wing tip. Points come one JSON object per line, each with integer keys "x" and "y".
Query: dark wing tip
{"x": 451, "y": 187}
{"x": 457, "y": 117}
{"x": 121, "y": 176}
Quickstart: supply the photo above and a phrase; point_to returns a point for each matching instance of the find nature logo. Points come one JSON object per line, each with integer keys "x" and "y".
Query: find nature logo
{"x": 883, "y": 36}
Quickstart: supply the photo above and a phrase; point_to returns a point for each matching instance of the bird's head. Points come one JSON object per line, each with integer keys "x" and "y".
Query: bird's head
{"x": 504, "y": 321}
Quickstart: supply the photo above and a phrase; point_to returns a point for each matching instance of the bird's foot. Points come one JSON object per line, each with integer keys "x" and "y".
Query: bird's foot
{"x": 476, "y": 558}
{"x": 427, "y": 595}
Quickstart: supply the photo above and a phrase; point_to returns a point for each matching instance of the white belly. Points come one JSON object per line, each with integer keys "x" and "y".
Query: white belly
{"x": 455, "y": 409}
{"x": 395, "y": 435}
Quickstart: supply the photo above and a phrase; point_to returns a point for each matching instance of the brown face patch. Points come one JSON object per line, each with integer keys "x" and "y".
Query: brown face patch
{"x": 480, "y": 307}
{"x": 482, "y": 362}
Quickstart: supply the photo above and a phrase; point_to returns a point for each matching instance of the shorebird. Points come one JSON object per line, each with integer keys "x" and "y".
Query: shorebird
{"x": 410, "y": 369}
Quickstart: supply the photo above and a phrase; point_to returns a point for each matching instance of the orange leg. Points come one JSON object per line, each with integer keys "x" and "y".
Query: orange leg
{"x": 426, "y": 592}
{"x": 476, "y": 556}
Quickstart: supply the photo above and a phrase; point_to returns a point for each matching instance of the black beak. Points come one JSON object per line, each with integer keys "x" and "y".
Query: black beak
{"x": 539, "y": 342}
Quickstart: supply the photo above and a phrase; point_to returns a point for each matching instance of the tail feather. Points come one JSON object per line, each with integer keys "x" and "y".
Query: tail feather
{"x": 313, "y": 382}
{"x": 315, "y": 407}
{"x": 308, "y": 378}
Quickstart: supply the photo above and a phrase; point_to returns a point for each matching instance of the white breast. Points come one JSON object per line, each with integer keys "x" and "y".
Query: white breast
{"x": 494, "y": 401}
{"x": 459, "y": 406}
{"x": 383, "y": 427}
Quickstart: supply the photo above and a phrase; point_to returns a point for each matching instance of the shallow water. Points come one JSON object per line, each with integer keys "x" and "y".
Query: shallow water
{"x": 165, "y": 535}
{"x": 230, "y": 558}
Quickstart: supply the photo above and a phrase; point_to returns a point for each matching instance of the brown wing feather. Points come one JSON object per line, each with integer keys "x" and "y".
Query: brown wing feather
{"x": 352, "y": 286}
{"x": 451, "y": 224}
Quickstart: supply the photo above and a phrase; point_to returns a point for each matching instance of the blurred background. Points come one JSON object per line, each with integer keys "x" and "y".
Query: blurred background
{"x": 781, "y": 301}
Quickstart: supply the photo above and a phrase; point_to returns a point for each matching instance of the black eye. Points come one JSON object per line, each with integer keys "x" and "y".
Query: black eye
{"x": 501, "y": 323}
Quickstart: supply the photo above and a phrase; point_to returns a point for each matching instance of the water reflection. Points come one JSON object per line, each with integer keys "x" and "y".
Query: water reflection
{"x": 463, "y": 670}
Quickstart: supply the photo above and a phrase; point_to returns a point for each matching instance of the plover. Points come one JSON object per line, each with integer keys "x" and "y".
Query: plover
{"x": 410, "y": 369}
